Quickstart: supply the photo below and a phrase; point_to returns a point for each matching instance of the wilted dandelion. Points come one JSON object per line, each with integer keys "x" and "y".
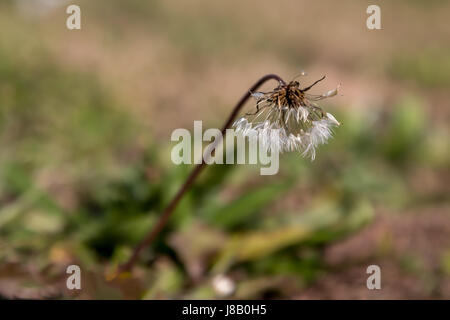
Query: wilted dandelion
{"x": 288, "y": 119}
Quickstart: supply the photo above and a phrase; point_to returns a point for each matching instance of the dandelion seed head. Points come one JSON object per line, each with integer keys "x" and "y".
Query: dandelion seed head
{"x": 288, "y": 119}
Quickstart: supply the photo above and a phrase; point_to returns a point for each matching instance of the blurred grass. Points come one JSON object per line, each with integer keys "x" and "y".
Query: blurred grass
{"x": 82, "y": 179}
{"x": 430, "y": 69}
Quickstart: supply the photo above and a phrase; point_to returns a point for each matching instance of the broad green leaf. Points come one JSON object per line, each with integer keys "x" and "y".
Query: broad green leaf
{"x": 244, "y": 208}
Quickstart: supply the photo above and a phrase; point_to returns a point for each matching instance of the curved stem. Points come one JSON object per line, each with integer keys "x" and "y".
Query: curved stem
{"x": 163, "y": 219}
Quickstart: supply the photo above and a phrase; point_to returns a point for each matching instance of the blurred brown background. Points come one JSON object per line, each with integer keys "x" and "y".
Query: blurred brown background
{"x": 86, "y": 118}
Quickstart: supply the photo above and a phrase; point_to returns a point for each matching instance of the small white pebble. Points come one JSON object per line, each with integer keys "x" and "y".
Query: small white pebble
{"x": 223, "y": 285}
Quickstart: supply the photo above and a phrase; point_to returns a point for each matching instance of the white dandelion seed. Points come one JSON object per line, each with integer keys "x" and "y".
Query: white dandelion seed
{"x": 287, "y": 119}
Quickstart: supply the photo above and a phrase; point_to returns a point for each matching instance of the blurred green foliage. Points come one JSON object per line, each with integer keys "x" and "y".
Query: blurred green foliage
{"x": 73, "y": 175}
{"x": 429, "y": 68}
{"x": 358, "y": 169}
